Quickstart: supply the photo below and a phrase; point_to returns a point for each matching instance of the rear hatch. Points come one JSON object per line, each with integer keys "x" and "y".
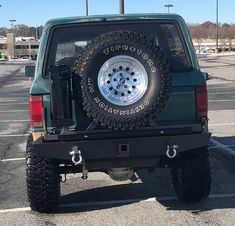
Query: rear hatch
{"x": 67, "y": 42}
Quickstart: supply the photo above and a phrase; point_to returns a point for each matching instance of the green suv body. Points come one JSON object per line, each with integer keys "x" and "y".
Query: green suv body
{"x": 116, "y": 94}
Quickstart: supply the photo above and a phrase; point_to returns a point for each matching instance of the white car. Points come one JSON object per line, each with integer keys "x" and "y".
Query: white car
{"x": 25, "y": 58}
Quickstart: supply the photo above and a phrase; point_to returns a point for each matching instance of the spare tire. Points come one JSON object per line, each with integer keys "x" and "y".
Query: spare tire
{"x": 125, "y": 80}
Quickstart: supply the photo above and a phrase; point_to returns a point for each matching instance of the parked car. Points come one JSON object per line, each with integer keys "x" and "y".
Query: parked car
{"x": 26, "y": 58}
{"x": 13, "y": 58}
{"x": 3, "y": 58}
{"x": 132, "y": 96}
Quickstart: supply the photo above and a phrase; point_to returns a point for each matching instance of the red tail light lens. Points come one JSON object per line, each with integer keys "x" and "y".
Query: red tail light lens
{"x": 202, "y": 101}
{"x": 36, "y": 111}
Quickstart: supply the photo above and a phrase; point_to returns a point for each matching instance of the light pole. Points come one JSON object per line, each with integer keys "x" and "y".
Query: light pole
{"x": 36, "y": 34}
{"x": 121, "y": 7}
{"x": 12, "y": 38}
{"x": 217, "y": 26}
{"x": 168, "y": 6}
{"x": 86, "y": 7}
{"x": 12, "y": 23}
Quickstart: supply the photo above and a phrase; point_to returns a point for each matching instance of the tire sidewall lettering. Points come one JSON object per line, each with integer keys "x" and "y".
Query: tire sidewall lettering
{"x": 132, "y": 49}
{"x": 115, "y": 111}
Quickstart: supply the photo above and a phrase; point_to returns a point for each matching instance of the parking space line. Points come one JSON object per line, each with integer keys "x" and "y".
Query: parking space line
{"x": 11, "y": 160}
{"x": 12, "y": 100}
{"x": 229, "y": 100}
{"x": 14, "y": 210}
{"x": 14, "y": 135}
{"x": 231, "y": 85}
{"x": 221, "y": 93}
{"x": 115, "y": 202}
{"x": 223, "y": 146}
{"x": 222, "y": 124}
{"x": 13, "y": 111}
{"x": 6, "y": 104}
{"x": 17, "y": 120}
{"x": 215, "y": 146}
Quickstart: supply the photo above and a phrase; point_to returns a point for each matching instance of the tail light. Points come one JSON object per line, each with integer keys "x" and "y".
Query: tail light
{"x": 201, "y": 101}
{"x": 36, "y": 111}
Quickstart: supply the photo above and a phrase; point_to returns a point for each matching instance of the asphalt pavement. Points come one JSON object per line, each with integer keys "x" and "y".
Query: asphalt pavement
{"x": 150, "y": 198}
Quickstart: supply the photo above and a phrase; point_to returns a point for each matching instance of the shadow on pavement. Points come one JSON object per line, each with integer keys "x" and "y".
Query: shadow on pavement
{"x": 157, "y": 184}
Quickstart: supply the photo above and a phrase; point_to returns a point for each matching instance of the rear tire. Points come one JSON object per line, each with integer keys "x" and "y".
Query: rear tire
{"x": 43, "y": 181}
{"x": 192, "y": 176}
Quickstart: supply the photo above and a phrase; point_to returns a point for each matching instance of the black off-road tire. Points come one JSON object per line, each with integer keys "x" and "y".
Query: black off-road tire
{"x": 43, "y": 181}
{"x": 192, "y": 176}
{"x": 122, "y": 43}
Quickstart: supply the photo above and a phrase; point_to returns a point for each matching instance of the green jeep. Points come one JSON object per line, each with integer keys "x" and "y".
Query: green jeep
{"x": 115, "y": 94}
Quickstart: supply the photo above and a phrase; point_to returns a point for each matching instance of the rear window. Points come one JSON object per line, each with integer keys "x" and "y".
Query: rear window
{"x": 67, "y": 42}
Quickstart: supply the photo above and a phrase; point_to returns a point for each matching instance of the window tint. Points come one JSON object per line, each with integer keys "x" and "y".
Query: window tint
{"x": 176, "y": 55}
{"x": 68, "y": 42}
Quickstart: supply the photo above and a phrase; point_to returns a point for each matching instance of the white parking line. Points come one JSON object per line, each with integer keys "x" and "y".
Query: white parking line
{"x": 222, "y": 124}
{"x": 15, "y": 210}
{"x": 223, "y": 146}
{"x": 20, "y": 120}
{"x": 116, "y": 202}
{"x": 14, "y": 135}
{"x": 14, "y": 111}
{"x": 229, "y": 100}
{"x": 215, "y": 147}
{"x": 231, "y": 85}
{"x": 11, "y": 104}
{"x": 12, "y": 160}
{"x": 12, "y": 100}
{"x": 222, "y": 93}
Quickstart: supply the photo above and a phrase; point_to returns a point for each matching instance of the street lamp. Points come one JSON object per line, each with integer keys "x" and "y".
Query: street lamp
{"x": 12, "y": 23}
{"x": 168, "y": 6}
{"x": 217, "y": 26}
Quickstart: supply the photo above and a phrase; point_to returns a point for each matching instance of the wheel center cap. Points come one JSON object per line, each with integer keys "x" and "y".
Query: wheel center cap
{"x": 119, "y": 81}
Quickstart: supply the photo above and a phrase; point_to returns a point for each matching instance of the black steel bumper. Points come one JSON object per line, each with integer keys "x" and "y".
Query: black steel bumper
{"x": 150, "y": 146}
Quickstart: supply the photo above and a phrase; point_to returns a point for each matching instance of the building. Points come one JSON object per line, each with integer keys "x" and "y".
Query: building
{"x": 12, "y": 46}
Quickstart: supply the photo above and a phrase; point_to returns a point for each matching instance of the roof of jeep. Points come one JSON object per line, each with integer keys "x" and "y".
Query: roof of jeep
{"x": 117, "y": 17}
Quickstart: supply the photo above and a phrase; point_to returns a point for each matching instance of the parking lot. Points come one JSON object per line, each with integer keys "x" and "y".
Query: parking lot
{"x": 147, "y": 200}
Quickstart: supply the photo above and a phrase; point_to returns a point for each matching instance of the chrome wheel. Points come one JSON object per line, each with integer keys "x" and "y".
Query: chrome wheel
{"x": 122, "y": 80}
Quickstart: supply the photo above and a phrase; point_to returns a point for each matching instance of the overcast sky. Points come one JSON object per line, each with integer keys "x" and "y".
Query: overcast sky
{"x": 37, "y": 12}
